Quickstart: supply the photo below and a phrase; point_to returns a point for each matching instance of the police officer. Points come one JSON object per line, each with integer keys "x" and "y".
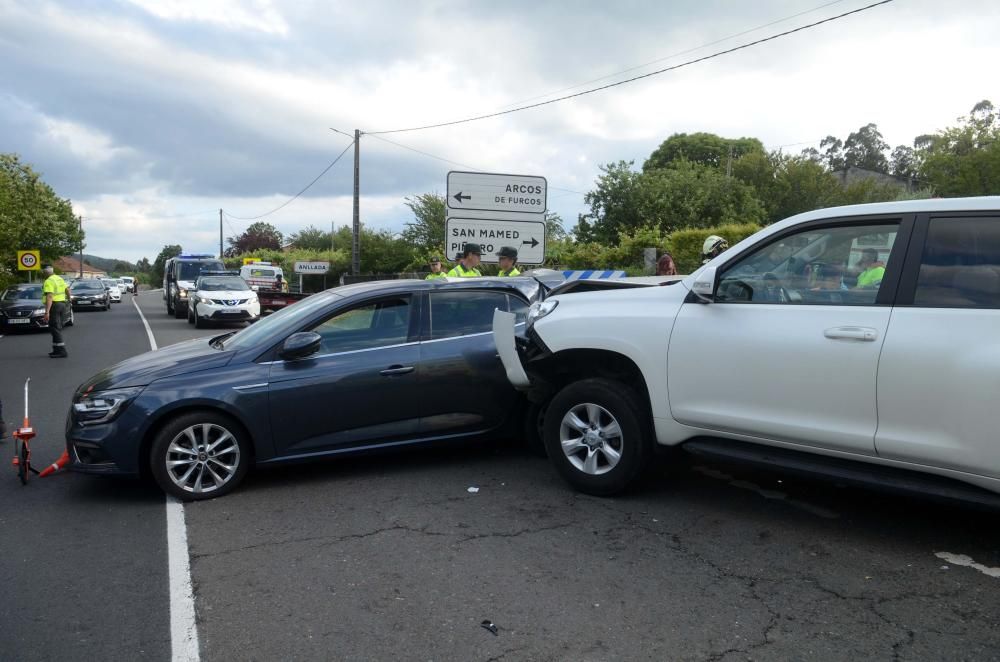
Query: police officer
{"x": 468, "y": 265}
{"x": 54, "y": 292}
{"x": 508, "y": 256}
{"x": 436, "y": 272}
{"x": 712, "y": 247}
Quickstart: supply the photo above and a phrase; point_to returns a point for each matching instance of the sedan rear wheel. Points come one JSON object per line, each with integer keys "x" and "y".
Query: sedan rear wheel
{"x": 201, "y": 455}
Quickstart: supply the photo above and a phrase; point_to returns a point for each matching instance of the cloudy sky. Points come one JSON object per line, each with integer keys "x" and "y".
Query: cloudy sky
{"x": 151, "y": 115}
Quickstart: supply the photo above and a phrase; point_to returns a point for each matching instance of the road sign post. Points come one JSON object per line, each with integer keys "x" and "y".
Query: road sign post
{"x": 496, "y": 210}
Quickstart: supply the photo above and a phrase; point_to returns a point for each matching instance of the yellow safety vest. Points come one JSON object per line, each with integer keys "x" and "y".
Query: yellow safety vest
{"x": 459, "y": 271}
{"x": 509, "y": 274}
{"x": 433, "y": 276}
{"x": 55, "y": 286}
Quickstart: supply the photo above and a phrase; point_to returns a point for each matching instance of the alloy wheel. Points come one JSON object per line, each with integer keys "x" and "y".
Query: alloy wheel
{"x": 591, "y": 439}
{"x": 202, "y": 458}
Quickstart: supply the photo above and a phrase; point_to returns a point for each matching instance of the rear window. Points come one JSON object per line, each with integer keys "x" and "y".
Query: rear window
{"x": 262, "y": 273}
{"x": 960, "y": 266}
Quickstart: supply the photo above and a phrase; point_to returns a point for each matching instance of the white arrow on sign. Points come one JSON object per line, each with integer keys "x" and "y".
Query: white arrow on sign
{"x": 526, "y": 236}
{"x": 487, "y": 191}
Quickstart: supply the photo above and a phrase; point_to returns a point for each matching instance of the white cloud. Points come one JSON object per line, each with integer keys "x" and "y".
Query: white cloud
{"x": 257, "y": 15}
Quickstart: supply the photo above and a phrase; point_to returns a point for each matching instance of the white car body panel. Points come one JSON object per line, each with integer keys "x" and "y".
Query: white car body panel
{"x": 206, "y": 310}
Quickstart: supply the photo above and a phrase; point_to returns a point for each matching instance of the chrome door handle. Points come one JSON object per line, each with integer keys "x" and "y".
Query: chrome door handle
{"x": 862, "y": 333}
{"x": 396, "y": 370}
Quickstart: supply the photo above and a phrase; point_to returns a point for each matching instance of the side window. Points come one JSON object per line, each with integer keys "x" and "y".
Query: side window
{"x": 374, "y": 324}
{"x": 462, "y": 313}
{"x": 960, "y": 267}
{"x": 841, "y": 266}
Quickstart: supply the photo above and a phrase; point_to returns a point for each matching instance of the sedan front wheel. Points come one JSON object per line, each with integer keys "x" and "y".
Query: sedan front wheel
{"x": 201, "y": 455}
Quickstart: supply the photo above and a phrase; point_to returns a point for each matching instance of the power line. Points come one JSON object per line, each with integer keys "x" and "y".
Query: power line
{"x": 294, "y": 197}
{"x": 635, "y": 78}
{"x": 673, "y": 55}
{"x": 460, "y": 165}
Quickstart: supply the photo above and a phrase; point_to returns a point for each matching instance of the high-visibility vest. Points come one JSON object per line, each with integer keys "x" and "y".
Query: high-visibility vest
{"x": 510, "y": 274}
{"x": 55, "y": 286}
{"x": 435, "y": 276}
{"x": 459, "y": 271}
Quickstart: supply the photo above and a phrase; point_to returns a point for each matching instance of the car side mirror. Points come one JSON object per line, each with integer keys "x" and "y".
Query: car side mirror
{"x": 300, "y": 345}
{"x": 704, "y": 285}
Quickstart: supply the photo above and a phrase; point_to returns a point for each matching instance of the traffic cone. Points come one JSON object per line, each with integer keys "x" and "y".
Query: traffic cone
{"x": 55, "y": 466}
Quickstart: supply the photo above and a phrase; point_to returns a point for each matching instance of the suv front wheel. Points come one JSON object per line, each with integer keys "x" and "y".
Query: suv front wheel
{"x": 596, "y": 435}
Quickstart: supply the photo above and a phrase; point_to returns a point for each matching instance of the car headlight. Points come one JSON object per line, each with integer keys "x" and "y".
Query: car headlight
{"x": 252, "y": 299}
{"x": 204, "y": 301}
{"x": 38, "y": 311}
{"x": 182, "y": 294}
{"x": 103, "y": 406}
{"x": 540, "y": 309}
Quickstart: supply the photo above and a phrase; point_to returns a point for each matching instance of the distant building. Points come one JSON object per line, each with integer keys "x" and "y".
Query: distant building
{"x": 70, "y": 266}
{"x": 854, "y": 174}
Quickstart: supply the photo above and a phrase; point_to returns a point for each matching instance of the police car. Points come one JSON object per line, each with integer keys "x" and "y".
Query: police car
{"x": 222, "y": 296}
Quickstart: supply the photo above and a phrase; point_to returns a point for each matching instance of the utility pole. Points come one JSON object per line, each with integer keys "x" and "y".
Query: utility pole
{"x": 356, "y": 241}
{"x": 81, "y": 245}
{"x": 729, "y": 163}
{"x": 220, "y": 233}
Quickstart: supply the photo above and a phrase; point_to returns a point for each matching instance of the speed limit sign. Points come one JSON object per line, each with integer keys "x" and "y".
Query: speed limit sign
{"x": 29, "y": 260}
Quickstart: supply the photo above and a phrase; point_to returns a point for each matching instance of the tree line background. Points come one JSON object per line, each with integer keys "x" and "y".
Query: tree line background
{"x": 691, "y": 186}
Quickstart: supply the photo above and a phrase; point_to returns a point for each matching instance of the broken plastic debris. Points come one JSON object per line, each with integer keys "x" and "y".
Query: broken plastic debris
{"x": 488, "y": 624}
{"x": 473, "y": 490}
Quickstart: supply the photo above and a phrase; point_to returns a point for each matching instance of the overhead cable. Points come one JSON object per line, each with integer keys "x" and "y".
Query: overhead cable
{"x": 635, "y": 78}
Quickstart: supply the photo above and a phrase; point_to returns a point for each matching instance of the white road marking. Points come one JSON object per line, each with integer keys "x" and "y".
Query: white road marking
{"x": 149, "y": 331}
{"x": 963, "y": 560}
{"x": 183, "y": 626}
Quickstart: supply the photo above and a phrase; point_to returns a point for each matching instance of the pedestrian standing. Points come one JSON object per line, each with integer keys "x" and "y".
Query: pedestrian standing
{"x": 436, "y": 271}
{"x": 54, "y": 292}
{"x": 665, "y": 265}
{"x": 468, "y": 265}
{"x": 508, "y": 257}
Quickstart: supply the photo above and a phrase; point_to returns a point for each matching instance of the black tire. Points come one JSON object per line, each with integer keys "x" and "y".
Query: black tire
{"x": 177, "y": 311}
{"x": 615, "y": 403}
{"x": 170, "y": 308}
{"x": 190, "y": 316}
{"x": 533, "y": 430}
{"x": 198, "y": 322}
{"x": 236, "y": 453}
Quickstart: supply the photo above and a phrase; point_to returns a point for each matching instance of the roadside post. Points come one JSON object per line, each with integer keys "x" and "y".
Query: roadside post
{"x": 317, "y": 268}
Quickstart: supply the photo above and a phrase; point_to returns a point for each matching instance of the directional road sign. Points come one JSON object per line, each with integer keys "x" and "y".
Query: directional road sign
{"x": 528, "y": 237}
{"x": 487, "y": 191}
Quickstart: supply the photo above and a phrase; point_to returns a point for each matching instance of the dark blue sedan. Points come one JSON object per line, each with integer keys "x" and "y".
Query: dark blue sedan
{"x": 361, "y": 367}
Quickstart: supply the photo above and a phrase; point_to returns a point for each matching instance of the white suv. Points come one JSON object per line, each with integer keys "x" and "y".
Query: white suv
{"x": 859, "y": 342}
{"x": 222, "y": 298}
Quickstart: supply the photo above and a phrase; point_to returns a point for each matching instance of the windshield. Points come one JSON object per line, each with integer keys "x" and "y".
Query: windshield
{"x": 191, "y": 270}
{"x": 281, "y": 323}
{"x": 25, "y": 294}
{"x": 262, "y": 273}
{"x": 83, "y": 285}
{"x": 222, "y": 284}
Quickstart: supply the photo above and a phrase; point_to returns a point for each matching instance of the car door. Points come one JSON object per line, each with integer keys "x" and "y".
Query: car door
{"x": 464, "y": 385}
{"x": 788, "y": 349}
{"x": 939, "y": 374}
{"x": 361, "y": 388}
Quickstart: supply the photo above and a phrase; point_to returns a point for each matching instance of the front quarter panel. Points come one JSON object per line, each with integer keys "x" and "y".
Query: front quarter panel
{"x": 635, "y": 323}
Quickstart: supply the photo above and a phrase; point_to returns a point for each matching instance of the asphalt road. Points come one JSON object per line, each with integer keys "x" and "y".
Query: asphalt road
{"x": 393, "y": 556}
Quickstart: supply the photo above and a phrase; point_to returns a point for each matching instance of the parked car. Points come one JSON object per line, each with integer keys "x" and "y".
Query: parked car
{"x": 371, "y": 366}
{"x": 856, "y": 342}
{"x": 222, "y": 297}
{"x": 89, "y": 293}
{"x": 22, "y": 307}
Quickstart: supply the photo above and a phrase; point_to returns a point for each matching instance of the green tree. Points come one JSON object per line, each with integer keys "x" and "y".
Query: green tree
{"x": 143, "y": 266}
{"x": 865, "y": 148}
{"x": 426, "y": 230}
{"x": 705, "y": 149}
{"x": 964, "y": 160}
{"x": 613, "y": 204}
{"x": 32, "y": 216}
{"x": 310, "y": 239}
{"x": 169, "y": 251}
{"x": 259, "y": 236}
{"x": 554, "y": 229}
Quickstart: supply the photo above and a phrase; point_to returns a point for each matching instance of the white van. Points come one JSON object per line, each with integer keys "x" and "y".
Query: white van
{"x": 262, "y": 276}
